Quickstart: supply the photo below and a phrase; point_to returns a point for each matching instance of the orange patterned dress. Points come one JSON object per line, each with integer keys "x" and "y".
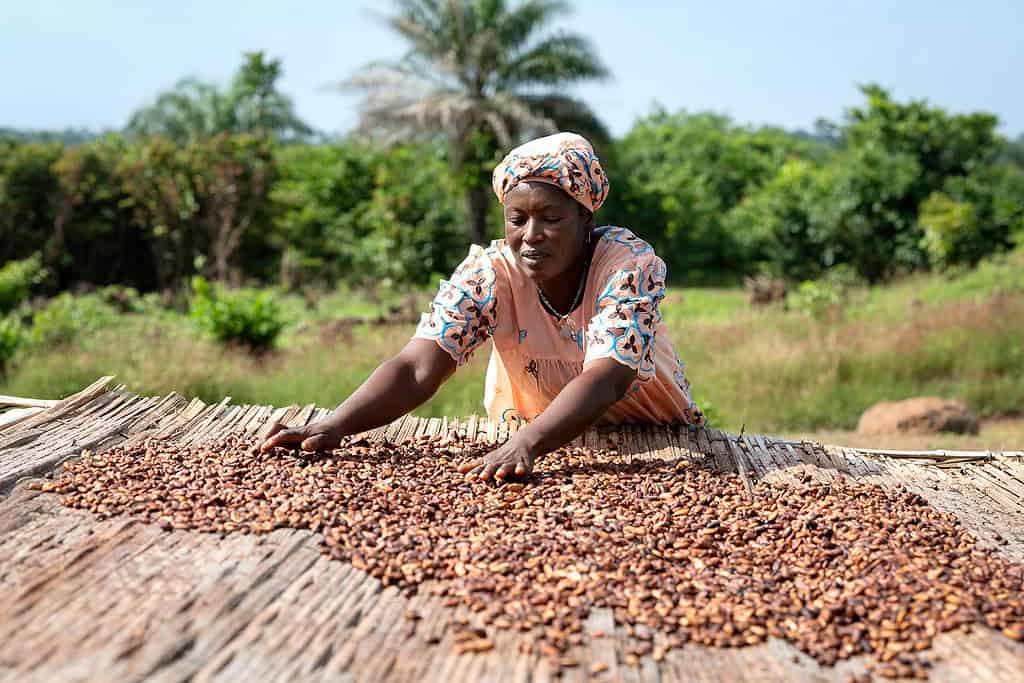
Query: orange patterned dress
{"x": 489, "y": 297}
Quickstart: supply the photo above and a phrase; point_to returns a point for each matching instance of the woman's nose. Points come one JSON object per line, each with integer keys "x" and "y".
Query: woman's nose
{"x": 532, "y": 232}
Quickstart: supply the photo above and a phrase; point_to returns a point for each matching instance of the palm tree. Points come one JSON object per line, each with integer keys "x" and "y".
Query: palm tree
{"x": 482, "y": 75}
{"x": 194, "y": 110}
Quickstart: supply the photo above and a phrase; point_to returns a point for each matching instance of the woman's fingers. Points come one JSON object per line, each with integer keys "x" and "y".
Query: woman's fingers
{"x": 490, "y": 470}
{"x": 481, "y": 469}
{"x": 275, "y": 429}
{"x": 279, "y": 436}
{"x": 467, "y": 467}
{"x": 506, "y": 470}
{"x": 323, "y": 441}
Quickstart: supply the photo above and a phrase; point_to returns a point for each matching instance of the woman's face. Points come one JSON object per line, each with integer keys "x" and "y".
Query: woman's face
{"x": 545, "y": 228}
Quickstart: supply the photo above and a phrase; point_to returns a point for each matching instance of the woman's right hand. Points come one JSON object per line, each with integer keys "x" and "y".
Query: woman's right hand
{"x": 316, "y": 436}
{"x": 398, "y": 386}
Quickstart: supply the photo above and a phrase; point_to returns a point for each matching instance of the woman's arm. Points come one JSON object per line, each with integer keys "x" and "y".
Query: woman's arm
{"x": 397, "y": 387}
{"x": 580, "y": 404}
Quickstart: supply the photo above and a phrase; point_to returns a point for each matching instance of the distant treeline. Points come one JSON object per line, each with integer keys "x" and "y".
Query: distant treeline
{"x": 895, "y": 187}
{"x": 67, "y": 136}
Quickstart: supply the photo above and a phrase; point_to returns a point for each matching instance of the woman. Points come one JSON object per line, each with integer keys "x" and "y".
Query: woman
{"x": 572, "y": 310}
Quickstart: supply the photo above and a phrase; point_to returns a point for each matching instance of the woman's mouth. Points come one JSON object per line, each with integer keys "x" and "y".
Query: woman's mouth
{"x": 532, "y": 258}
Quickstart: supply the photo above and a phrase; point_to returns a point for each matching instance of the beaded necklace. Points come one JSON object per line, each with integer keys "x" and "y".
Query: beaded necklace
{"x": 565, "y": 325}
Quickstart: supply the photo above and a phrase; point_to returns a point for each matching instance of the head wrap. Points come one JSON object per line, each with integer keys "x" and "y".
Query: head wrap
{"x": 565, "y": 160}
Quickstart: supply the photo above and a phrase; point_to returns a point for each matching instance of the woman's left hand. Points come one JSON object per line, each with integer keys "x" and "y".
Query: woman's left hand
{"x": 512, "y": 459}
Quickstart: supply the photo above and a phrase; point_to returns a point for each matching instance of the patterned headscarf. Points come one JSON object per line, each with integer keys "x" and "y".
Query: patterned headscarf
{"x": 565, "y": 160}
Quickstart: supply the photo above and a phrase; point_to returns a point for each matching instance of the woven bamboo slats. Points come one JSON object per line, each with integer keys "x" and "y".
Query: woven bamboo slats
{"x": 120, "y": 600}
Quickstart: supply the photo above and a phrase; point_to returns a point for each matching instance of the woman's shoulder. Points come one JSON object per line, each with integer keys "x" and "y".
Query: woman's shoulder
{"x": 484, "y": 266}
{"x": 623, "y": 243}
{"x": 626, "y": 267}
{"x": 619, "y": 249}
{"x": 494, "y": 252}
{"x": 479, "y": 256}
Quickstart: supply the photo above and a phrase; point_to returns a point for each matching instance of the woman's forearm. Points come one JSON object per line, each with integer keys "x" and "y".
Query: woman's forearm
{"x": 579, "y": 405}
{"x": 397, "y": 387}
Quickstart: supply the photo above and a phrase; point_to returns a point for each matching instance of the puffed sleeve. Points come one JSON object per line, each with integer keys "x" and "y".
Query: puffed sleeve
{"x": 627, "y": 315}
{"x": 463, "y": 315}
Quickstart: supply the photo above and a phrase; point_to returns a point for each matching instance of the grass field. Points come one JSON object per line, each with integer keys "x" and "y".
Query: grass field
{"x": 771, "y": 369}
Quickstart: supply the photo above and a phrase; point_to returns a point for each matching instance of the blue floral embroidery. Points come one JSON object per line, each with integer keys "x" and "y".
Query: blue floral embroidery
{"x": 522, "y": 335}
{"x": 623, "y": 236}
{"x": 464, "y": 313}
{"x": 626, "y": 316}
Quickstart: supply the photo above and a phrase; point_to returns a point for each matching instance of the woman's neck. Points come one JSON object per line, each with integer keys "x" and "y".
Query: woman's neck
{"x": 561, "y": 290}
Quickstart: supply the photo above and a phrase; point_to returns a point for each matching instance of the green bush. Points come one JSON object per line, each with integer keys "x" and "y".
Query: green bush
{"x": 17, "y": 278}
{"x": 11, "y": 335}
{"x": 973, "y": 216}
{"x": 67, "y": 317}
{"x": 825, "y": 295}
{"x": 27, "y": 187}
{"x": 809, "y": 218}
{"x": 243, "y": 316}
{"x": 947, "y": 224}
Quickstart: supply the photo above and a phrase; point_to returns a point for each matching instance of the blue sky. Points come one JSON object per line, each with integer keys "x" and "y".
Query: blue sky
{"x": 90, "y": 64}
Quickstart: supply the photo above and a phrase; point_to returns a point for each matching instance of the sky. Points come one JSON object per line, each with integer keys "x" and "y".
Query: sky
{"x": 787, "y": 63}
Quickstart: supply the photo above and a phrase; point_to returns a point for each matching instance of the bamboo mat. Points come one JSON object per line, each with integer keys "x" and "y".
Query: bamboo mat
{"x": 119, "y": 600}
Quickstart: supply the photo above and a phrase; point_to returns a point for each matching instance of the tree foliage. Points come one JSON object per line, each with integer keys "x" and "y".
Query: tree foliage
{"x": 350, "y": 211}
{"x": 28, "y": 187}
{"x": 93, "y": 238}
{"x": 675, "y": 176}
{"x": 910, "y": 187}
{"x": 316, "y": 199}
{"x": 194, "y": 110}
{"x": 17, "y": 280}
{"x": 1014, "y": 152}
{"x": 196, "y": 203}
{"x": 895, "y": 187}
{"x": 777, "y": 227}
{"x": 973, "y": 215}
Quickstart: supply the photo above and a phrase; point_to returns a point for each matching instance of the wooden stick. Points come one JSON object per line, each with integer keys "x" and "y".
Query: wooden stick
{"x": 741, "y": 466}
{"x": 11, "y": 417}
{"x": 936, "y": 455}
{"x": 18, "y": 402}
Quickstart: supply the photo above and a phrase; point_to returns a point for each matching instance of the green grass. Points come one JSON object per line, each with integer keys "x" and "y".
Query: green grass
{"x": 771, "y": 369}
{"x": 1001, "y": 274}
{"x": 706, "y": 305}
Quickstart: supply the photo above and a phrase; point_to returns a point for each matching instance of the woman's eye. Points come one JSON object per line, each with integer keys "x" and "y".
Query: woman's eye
{"x": 552, "y": 219}
{"x": 516, "y": 220}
